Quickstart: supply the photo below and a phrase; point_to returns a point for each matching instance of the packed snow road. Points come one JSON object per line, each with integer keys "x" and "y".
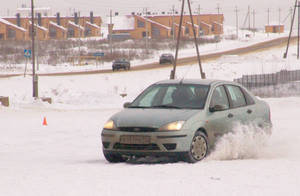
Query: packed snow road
{"x": 65, "y": 157}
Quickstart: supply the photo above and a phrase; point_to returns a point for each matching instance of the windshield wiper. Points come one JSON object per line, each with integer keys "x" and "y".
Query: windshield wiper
{"x": 166, "y": 106}
{"x": 138, "y": 107}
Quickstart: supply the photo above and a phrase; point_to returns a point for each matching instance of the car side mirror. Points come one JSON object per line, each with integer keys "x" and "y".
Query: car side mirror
{"x": 217, "y": 108}
{"x": 126, "y": 104}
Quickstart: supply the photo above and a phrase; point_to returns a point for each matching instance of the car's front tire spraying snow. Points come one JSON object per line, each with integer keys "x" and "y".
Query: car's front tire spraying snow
{"x": 198, "y": 149}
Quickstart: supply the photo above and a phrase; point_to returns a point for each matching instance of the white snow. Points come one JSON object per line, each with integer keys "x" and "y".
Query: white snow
{"x": 40, "y": 27}
{"x": 92, "y": 24}
{"x": 58, "y": 26}
{"x": 76, "y": 25}
{"x": 122, "y": 22}
{"x": 65, "y": 158}
{"x": 154, "y": 22}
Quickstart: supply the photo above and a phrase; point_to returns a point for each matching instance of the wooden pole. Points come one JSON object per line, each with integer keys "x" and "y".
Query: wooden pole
{"x": 195, "y": 40}
{"x": 172, "y": 75}
{"x": 291, "y": 30}
{"x": 34, "y": 76}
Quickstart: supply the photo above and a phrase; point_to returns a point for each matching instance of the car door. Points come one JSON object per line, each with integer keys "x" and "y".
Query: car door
{"x": 243, "y": 113}
{"x": 219, "y": 122}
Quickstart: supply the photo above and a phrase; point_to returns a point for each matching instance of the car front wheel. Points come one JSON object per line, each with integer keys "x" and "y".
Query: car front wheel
{"x": 198, "y": 149}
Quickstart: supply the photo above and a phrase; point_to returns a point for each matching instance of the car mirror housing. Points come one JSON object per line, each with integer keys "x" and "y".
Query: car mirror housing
{"x": 217, "y": 108}
{"x": 126, "y": 104}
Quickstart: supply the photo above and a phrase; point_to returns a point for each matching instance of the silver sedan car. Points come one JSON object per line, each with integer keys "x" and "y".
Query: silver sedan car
{"x": 181, "y": 118}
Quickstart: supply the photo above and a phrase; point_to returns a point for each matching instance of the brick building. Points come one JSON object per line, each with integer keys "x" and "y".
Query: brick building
{"x": 50, "y": 27}
{"x": 161, "y": 26}
{"x": 274, "y": 28}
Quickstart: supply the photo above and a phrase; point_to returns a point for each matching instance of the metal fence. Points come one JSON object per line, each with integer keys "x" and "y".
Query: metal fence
{"x": 283, "y": 83}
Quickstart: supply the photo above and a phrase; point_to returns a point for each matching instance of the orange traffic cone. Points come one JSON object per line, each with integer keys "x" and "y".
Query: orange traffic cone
{"x": 45, "y": 121}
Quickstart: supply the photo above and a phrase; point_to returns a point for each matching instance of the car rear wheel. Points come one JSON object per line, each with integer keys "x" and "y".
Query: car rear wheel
{"x": 113, "y": 158}
{"x": 198, "y": 149}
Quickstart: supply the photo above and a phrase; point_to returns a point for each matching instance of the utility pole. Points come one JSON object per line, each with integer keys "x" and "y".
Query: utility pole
{"x": 198, "y": 19}
{"x": 146, "y": 10}
{"x": 291, "y": 13}
{"x": 268, "y": 16}
{"x": 219, "y": 18}
{"x": 37, "y": 48}
{"x": 291, "y": 30}
{"x": 249, "y": 18}
{"x": 110, "y": 32}
{"x": 279, "y": 17}
{"x": 79, "y": 39}
{"x": 218, "y": 8}
{"x": 253, "y": 21}
{"x": 34, "y": 76}
{"x": 237, "y": 21}
{"x": 199, "y": 12}
{"x": 172, "y": 75}
{"x": 268, "y": 19}
{"x": 173, "y": 22}
{"x": 298, "y": 30}
{"x": 195, "y": 40}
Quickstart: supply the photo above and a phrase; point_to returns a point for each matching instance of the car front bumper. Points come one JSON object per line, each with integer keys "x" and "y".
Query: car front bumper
{"x": 161, "y": 143}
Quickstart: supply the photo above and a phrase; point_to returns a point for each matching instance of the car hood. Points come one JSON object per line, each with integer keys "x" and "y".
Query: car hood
{"x": 153, "y": 118}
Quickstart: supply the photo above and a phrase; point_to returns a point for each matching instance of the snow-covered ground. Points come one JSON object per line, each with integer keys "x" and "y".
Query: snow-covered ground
{"x": 65, "y": 157}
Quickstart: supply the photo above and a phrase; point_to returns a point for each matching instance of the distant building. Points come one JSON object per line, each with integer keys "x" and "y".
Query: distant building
{"x": 274, "y": 28}
{"x": 50, "y": 27}
{"x": 135, "y": 26}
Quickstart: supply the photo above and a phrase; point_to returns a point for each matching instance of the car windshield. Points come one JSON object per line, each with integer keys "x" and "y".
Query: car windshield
{"x": 179, "y": 96}
{"x": 120, "y": 61}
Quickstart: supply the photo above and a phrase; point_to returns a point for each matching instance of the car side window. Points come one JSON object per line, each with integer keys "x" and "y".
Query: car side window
{"x": 248, "y": 97}
{"x": 219, "y": 97}
{"x": 236, "y": 95}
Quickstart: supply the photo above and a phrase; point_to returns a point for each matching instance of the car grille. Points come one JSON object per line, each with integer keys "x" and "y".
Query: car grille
{"x": 170, "y": 146}
{"x": 137, "y": 129}
{"x": 119, "y": 146}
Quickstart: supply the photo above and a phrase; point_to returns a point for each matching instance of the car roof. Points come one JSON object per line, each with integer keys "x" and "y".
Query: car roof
{"x": 195, "y": 81}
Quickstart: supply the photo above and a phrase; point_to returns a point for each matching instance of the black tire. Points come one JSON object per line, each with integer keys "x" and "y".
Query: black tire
{"x": 113, "y": 158}
{"x": 198, "y": 150}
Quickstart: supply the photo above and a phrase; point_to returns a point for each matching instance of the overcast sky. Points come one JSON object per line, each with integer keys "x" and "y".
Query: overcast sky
{"x": 102, "y": 7}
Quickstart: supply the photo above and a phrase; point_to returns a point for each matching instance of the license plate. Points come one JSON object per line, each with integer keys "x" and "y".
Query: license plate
{"x": 134, "y": 139}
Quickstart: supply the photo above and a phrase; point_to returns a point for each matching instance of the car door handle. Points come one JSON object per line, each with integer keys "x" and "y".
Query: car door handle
{"x": 230, "y": 115}
{"x": 249, "y": 111}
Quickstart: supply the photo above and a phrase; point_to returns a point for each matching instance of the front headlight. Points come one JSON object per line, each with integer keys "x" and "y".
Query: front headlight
{"x": 174, "y": 126}
{"x": 110, "y": 125}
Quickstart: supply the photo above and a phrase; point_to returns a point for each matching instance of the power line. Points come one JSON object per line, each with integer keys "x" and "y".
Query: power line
{"x": 237, "y": 21}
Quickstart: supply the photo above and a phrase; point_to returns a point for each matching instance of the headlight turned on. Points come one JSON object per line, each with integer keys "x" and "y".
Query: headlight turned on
{"x": 109, "y": 125}
{"x": 174, "y": 126}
